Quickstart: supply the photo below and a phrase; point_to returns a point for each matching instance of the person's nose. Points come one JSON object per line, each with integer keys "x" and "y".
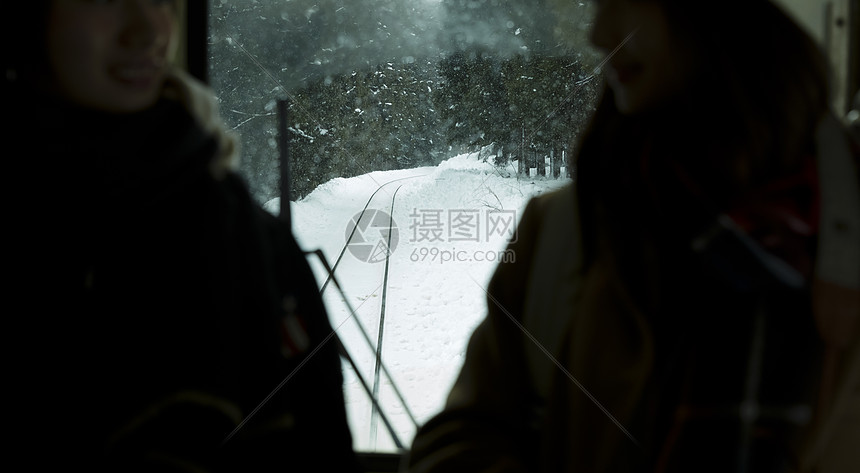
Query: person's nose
{"x": 144, "y": 25}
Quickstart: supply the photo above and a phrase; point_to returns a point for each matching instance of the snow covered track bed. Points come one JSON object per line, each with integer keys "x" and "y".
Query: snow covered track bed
{"x": 451, "y": 227}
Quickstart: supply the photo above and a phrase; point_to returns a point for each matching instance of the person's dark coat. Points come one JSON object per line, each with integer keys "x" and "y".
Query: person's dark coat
{"x": 165, "y": 322}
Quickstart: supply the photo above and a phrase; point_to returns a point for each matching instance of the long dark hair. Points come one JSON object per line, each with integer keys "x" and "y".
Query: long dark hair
{"x": 760, "y": 87}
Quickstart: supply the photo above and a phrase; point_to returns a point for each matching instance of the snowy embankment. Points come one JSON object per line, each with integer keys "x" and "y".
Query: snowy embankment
{"x": 453, "y": 222}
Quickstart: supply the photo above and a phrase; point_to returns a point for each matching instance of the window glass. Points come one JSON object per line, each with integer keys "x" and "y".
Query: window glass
{"x": 416, "y": 132}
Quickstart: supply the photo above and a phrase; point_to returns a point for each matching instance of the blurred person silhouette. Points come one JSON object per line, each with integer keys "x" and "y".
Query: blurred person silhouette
{"x": 161, "y": 320}
{"x": 691, "y": 301}
{"x": 852, "y": 119}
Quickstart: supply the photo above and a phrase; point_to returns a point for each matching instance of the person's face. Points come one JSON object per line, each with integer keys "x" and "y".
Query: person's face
{"x": 111, "y": 55}
{"x": 649, "y": 67}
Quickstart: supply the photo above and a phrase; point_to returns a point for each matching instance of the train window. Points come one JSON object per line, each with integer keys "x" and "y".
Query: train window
{"x": 416, "y": 130}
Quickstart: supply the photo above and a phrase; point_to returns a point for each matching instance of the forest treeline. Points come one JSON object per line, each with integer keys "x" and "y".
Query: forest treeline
{"x": 369, "y": 93}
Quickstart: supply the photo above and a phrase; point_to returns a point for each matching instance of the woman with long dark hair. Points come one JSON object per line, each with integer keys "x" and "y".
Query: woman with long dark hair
{"x": 690, "y": 303}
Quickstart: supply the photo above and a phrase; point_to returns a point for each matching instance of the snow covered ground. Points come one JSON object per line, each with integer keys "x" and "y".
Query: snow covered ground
{"x": 453, "y": 223}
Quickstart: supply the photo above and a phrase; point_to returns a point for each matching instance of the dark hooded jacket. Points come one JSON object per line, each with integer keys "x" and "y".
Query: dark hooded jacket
{"x": 163, "y": 321}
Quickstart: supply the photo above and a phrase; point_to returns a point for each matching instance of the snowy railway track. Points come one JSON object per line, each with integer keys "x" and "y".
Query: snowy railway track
{"x": 379, "y": 367}
{"x": 355, "y": 227}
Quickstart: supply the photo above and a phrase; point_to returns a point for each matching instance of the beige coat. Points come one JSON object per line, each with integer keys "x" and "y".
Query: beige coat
{"x": 537, "y": 394}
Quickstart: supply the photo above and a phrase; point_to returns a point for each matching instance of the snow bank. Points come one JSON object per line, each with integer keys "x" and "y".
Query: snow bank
{"x": 452, "y": 225}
